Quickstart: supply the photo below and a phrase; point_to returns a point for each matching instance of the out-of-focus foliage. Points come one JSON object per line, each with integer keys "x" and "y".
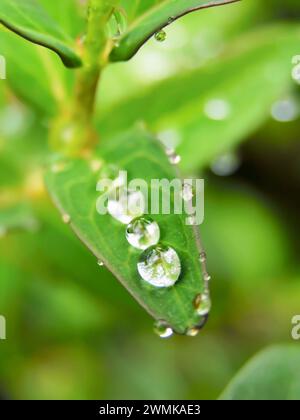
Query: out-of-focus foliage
{"x": 72, "y": 330}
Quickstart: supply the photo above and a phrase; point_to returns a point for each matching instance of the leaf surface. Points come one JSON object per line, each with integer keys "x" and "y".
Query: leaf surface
{"x": 274, "y": 374}
{"x": 28, "y": 19}
{"x": 74, "y": 192}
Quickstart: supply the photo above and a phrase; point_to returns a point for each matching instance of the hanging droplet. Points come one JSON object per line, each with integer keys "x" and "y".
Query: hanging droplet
{"x": 159, "y": 266}
{"x": 100, "y": 263}
{"x": 202, "y": 257}
{"x": 142, "y": 233}
{"x": 187, "y": 192}
{"x": 202, "y": 304}
{"x": 125, "y": 205}
{"x": 162, "y": 329}
{"x": 206, "y": 277}
{"x": 66, "y": 218}
{"x": 174, "y": 158}
{"x": 193, "y": 332}
{"x": 160, "y": 36}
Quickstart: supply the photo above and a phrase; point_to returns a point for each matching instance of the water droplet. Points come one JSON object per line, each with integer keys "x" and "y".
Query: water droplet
{"x": 191, "y": 221}
{"x": 159, "y": 266}
{"x": 193, "y": 332}
{"x": 174, "y": 158}
{"x": 100, "y": 263}
{"x": 202, "y": 304}
{"x": 207, "y": 277}
{"x": 285, "y": 110}
{"x": 125, "y": 205}
{"x": 162, "y": 329}
{"x": 226, "y": 164}
{"x": 160, "y": 36}
{"x": 142, "y": 233}
{"x": 202, "y": 257}
{"x": 217, "y": 109}
{"x": 66, "y": 218}
{"x": 187, "y": 192}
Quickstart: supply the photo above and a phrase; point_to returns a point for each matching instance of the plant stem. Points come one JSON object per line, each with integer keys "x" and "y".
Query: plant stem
{"x": 73, "y": 130}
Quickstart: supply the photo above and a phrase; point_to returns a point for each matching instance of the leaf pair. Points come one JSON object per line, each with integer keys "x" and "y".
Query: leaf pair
{"x": 31, "y": 21}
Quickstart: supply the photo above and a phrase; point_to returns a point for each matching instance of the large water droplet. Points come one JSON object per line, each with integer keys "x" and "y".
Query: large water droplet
{"x": 162, "y": 329}
{"x": 142, "y": 233}
{"x": 160, "y": 36}
{"x": 125, "y": 205}
{"x": 202, "y": 304}
{"x": 159, "y": 266}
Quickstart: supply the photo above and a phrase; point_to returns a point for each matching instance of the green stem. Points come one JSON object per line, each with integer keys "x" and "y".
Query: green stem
{"x": 73, "y": 130}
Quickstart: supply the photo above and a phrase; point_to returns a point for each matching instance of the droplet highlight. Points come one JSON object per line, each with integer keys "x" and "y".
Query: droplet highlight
{"x": 187, "y": 192}
{"x": 142, "y": 233}
{"x": 100, "y": 263}
{"x": 162, "y": 329}
{"x": 159, "y": 266}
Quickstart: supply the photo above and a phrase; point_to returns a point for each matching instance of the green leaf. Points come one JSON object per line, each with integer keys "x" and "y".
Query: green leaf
{"x": 73, "y": 189}
{"x": 28, "y": 19}
{"x": 148, "y": 17}
{"x": 274, "y": 374}
{"x": 17, "y": 217}
{"x": 252, "y": 74}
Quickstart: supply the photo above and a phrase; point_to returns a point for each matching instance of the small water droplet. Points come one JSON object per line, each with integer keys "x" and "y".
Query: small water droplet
{"x": 159, "y": 266}
{"x": 226, "y": 164}
{"x": 191, "y": 221}
{"x": 160, "y": 36}
{"x": 174, "y": 158}
{"x": 202, "y": 304}
{"x": 285, "y": 110}
{"x": 187, "y": 192}
{"x": 142, "y": 233}
{"x": 202, "y": 257}
{"x": 66, "y": 218}
{"x": 125, "y": 205}
{"x": 207, "y": 277}
{"x": 193, "y": 332}
{"x": 217, "y": 109}
{"x": 100, "y": 263}
{"x": 162, "y": 329}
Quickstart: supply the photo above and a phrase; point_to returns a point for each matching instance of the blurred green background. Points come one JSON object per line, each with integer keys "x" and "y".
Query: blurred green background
{"x": 73, "y": 332}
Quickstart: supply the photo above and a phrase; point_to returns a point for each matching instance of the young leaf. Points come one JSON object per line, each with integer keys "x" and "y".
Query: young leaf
{"x": 212, "y": 109}
{"x": 148, "y": 17}
{"x": 273, "y": 374}
{"x": 28, "y": 19}
{"x": 73, "y": 189}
